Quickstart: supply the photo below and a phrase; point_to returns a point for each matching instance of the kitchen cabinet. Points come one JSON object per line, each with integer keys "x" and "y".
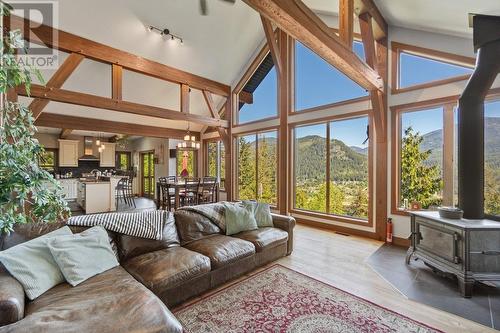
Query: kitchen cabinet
{"x": 69, "y": 188}
{"x": 107, "y": 156}
{"x": 68, "y": 153}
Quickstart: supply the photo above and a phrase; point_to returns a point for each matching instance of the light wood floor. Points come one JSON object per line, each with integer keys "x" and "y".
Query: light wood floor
{"x": 340, "y": 261}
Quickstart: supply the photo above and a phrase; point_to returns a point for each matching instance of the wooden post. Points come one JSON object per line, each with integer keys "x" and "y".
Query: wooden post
{"x": 284, "y": 104}
{"x": 116, "y": 82}
{"x": 228, "y": 146}
{"x": 185, "y": 98}
{"x": 346, "y": 22}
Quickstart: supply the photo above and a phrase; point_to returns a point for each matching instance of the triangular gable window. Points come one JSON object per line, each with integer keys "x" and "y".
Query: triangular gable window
{"x": 317, "y": 83}
{"x": 416, "y": 70}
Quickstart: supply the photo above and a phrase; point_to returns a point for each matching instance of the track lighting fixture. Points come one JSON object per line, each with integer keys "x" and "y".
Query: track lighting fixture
{"x": 166, "y": 32}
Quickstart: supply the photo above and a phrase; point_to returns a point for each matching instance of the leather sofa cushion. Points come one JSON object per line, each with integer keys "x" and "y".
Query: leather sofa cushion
{"x": 263, "y": 238}
{"x": 27, "y": 231}
{"x": 163, "y": 269}
{"x": 130, "y": 246}
{"x": 109, "y": 302}
{"x": 222, "y": 250}
{"x": 193, "y": 226}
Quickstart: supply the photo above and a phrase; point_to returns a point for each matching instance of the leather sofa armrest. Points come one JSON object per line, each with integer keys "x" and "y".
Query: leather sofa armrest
{"x": 286, "y": 223}
{"x": 11, "y": 299}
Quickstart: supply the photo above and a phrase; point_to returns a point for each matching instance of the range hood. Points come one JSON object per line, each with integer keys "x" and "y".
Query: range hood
{"x": 88, "y": 143}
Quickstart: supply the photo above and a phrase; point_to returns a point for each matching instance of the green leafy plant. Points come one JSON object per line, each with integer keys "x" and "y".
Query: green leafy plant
{"x": 419, "y": 182}
{"x": 27, "y": 192}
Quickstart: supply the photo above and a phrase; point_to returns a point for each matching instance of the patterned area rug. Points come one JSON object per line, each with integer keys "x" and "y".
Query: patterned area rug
{"x": 279, "y": 299}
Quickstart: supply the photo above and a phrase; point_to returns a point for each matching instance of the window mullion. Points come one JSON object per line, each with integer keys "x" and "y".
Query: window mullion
{"x": 448, "y": 149}
{"x": 256, "y": 166}
{"x": 327, "y": 168}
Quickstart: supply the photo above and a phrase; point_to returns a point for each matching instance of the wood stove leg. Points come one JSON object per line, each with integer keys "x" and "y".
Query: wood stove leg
{"x": 409, "y": 254}
{"x": 465, "y": 285}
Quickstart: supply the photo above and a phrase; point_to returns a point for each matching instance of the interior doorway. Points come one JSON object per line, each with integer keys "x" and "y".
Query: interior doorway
{"x": 147, "y": 174}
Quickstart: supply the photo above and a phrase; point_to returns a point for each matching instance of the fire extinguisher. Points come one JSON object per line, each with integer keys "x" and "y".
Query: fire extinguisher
{"x": 389, "y": 231}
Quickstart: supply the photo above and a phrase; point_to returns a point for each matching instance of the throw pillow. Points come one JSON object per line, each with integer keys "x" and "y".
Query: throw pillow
{"x": 238, "y": 219}
{"x": 261, "y": 211}
{"x": 32, "y": 264}
{"x": 263, "y": 215}
{"x": 81, "y": 256}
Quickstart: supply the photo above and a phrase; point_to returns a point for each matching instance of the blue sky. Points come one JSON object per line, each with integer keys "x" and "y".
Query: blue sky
{"x": 417, "y": 70}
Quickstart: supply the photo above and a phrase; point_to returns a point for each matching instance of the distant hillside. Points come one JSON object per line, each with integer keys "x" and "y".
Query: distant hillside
{"x": 434, "y": 140}
{"x": 363, "y": 151}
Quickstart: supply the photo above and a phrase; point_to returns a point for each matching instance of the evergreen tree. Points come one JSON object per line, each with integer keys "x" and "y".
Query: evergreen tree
{"x": 246, "y": 170}
{"x": 491, "y": 190}
{"x": 419, "y": 182}
{"x": 266, "y": 171}
{"x": 337, "y": 198}
{"x": 359, "y": 206}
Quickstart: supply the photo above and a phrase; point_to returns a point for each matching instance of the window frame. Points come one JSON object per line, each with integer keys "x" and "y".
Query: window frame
{"x": 493, "y": 97}
{"x": 117, "y": 159}
{"x": 195, "y": 161}
{"x": 326, "y": 216}
{"x": 448, "y": 104}
{"x": 445, "y": 57}
{"x": 250, "y": 71}
{"x": 219, "y": 160}
{"x": 45, "y": 167}
{"x": 236, "y": 158}
{"x": 293, "y": 111}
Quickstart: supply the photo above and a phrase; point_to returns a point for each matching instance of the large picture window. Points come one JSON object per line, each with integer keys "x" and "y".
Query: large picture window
{"x": 48, "y": 159}
{"x": 492, "y": 158}
{"x": 216, "y": 161}
{"x": 318, "y": 83}
{"x": 257, "y": 167}
{"x": 331, "y": 168}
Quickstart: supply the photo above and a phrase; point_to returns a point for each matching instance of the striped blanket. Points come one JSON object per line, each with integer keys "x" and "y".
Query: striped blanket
{"x": 144, "y": 224}
{"x": 215, "y": 212}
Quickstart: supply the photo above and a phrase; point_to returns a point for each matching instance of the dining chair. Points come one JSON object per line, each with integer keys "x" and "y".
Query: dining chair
{"x": 208, "y": 190}
{"x": 189, "y": 197}
{"x": 167, "y": 196}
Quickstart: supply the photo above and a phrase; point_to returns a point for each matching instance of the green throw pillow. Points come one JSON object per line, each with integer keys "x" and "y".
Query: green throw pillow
{"x": 81, "y": 256}
{"x": 239, "y": 219}
{"x": 261, "y": 212}
{"x": 32, "y": 264}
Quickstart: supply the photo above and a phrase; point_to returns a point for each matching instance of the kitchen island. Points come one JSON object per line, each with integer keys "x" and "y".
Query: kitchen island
{"x": 98, "y": 195}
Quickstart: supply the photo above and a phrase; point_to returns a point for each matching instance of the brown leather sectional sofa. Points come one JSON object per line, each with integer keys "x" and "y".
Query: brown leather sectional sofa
{"x": 193, "y": 257}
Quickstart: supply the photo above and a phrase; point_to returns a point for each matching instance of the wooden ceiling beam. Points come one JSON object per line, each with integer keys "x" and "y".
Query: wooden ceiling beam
{"x": 65, "y": 132}
{"x": 72, "y": 43}
{"x": 245, "y": 97}
{"x": 272, "y": 43}
{"x": 380, "y": 25}
{"x": 76, "y": 98}
{"x": 346, "y": 22}
{"x": 213, "y": 110}
{"x": 298, "y": 21}
{"x": 90, "y": 124}
{"x": 185, "y": 98}
{"x": 56, "y": 81}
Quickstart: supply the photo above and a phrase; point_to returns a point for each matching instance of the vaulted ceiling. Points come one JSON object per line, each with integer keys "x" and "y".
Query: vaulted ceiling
{"x": 217, "y": 46}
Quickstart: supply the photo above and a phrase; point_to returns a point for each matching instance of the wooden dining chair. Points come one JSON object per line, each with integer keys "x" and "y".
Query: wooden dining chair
{"x": 167, "y": 196}
{"x": 189, "y": 195}
{"x": 207, "y": 190}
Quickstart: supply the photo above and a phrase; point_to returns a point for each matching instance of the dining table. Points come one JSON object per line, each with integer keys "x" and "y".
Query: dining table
{"x": 177, "y": 185}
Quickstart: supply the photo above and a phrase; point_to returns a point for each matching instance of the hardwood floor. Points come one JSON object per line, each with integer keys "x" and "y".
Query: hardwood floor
{"x": 341, "y": 262}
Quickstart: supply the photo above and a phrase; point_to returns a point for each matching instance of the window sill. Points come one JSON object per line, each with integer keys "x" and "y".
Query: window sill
{"x": 336, "y": 218}
{"x": 430, "y": 84}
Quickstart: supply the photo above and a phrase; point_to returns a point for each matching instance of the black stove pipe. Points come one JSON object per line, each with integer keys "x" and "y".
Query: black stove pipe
{"x": 471, "y": 116}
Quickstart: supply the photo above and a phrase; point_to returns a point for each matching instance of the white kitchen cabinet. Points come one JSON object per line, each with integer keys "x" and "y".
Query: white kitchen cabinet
{"x": 68, "y": 153}
{"x": 94, "y": 197}
{"x": 107, "y": 156}
{"x": 70, "y": 188}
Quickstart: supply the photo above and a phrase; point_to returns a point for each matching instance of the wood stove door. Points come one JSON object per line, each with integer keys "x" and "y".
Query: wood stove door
{"x": 439, "y": 240}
